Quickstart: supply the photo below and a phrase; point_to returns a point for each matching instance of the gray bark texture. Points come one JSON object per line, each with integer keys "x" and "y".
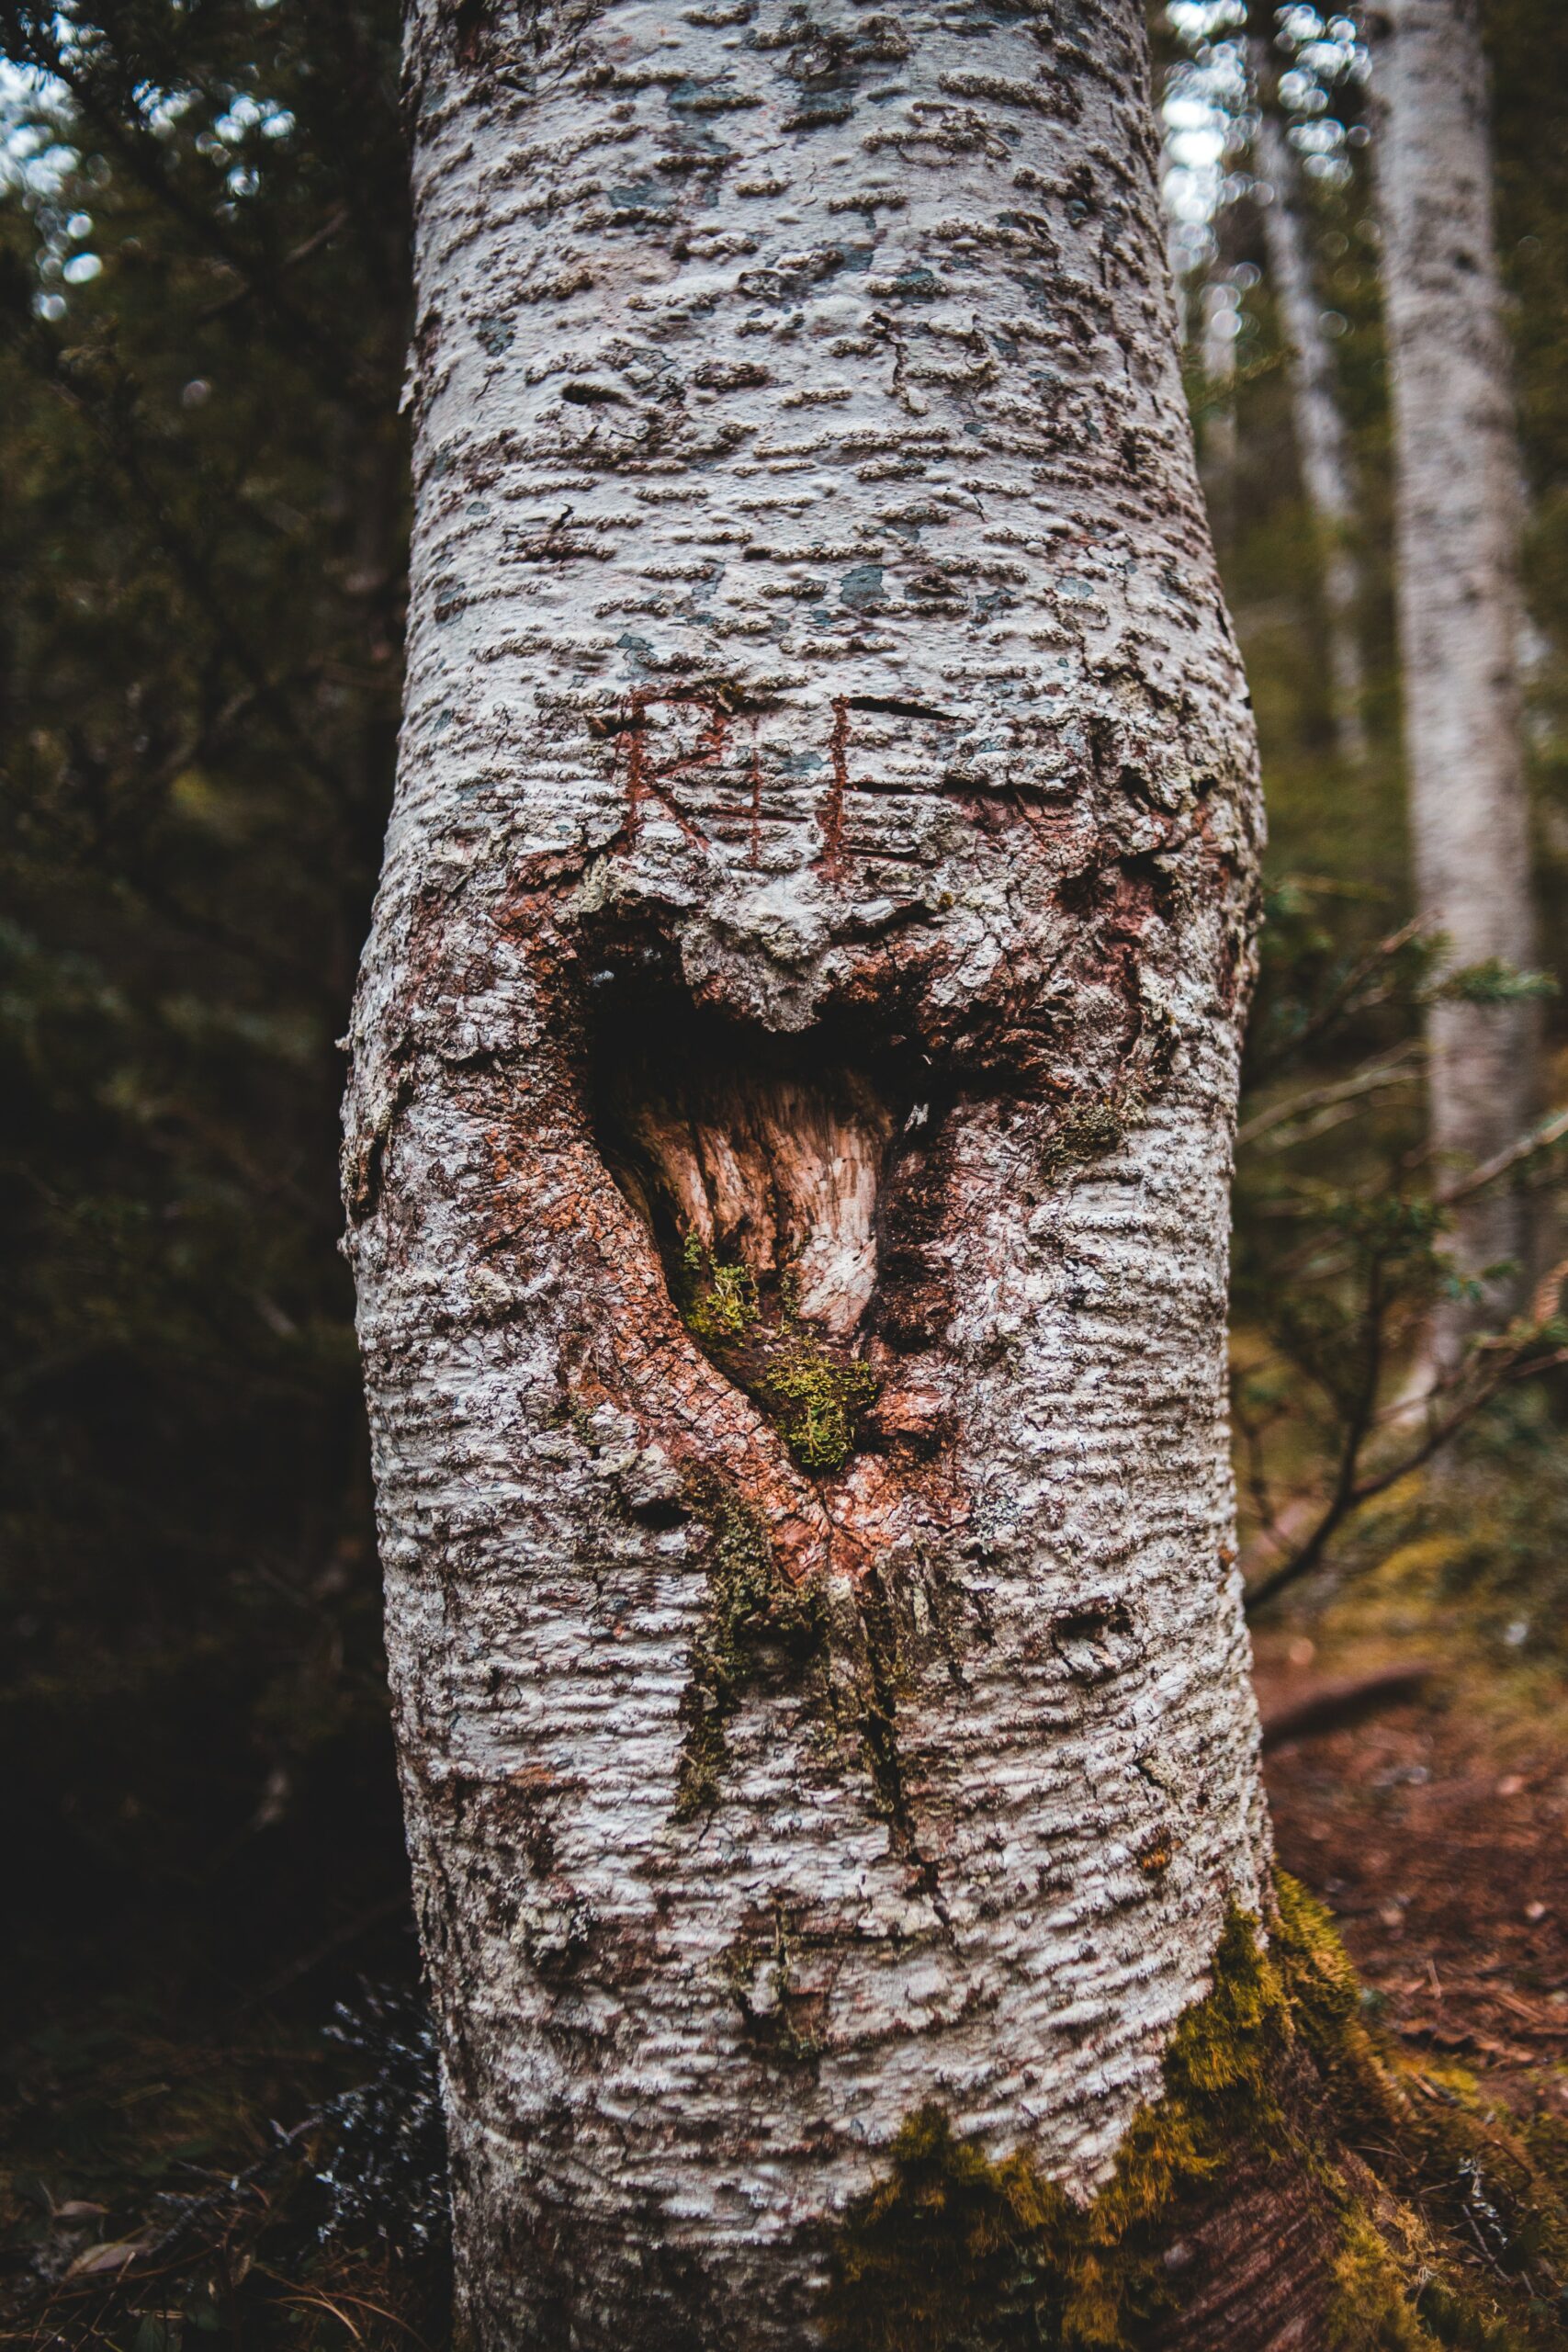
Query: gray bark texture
{"x": 1458, "y": 485}
{"x": 1319, "y": 427}
{"x": 788, "y": 1138}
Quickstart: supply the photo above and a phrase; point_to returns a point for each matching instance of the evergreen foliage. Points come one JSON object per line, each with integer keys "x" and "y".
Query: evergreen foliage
{"x": 203, "y": 300}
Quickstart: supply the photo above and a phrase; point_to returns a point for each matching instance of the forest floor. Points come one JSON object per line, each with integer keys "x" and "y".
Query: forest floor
{"x": 1434, "y": 1825}
{"x": 1430, "y": 1813}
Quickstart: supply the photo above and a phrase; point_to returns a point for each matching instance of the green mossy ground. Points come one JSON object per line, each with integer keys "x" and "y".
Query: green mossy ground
{"x": 1274, "y": 2066}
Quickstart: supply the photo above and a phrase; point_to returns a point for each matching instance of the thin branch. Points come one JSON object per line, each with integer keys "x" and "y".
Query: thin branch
{"x": 1339, "y": 998}
{"x": 1395, "y": 1072}
{"x": 1551, "y": 1131}
{"x": 246, "y": 293}
{"x": 1348, "y": 1499}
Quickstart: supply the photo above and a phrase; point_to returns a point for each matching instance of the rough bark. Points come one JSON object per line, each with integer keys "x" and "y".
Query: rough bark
{"x": 788, "y": 1138}
{"x": 1457, "y": 483}
{"x": 1319, "y": 428}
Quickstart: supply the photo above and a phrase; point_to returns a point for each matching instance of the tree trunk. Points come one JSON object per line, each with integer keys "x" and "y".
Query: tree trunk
{"x": 1457, "y": 471}
{"x": 1319, "y": 429}
{"x": 1221, "y": 440}
{"x": 788, "y": 1141}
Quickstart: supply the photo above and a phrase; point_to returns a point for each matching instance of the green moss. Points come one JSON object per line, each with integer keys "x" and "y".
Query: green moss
{"x": 817, "y": 1397}
{"x": 1370, "y": 2310}
{"x": 952, "y": 2250}
{"x": 718, "y": 1300}
{"x": 1471, "y": 2172}
{"x": 754, "y": 1616}
{"x": 1222, "y": 2076}
{"x": 953, "y": 2253}
{"x": 944, "y": 2251}
{"x": 812, "y": 1392}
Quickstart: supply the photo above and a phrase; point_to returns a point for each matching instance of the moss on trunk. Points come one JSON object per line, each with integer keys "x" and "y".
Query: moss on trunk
{"x": 1273, "y": 2077}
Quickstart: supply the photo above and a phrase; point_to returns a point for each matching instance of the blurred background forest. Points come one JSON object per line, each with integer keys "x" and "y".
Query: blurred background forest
{"x": 203, "y": 317}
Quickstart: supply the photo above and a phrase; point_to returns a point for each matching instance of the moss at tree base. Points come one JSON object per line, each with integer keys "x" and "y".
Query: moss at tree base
{"x": 1276, "y": 2096}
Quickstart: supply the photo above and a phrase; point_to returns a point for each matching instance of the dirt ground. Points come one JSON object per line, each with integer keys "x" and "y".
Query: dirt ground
{"x": 1436, "y": 1829}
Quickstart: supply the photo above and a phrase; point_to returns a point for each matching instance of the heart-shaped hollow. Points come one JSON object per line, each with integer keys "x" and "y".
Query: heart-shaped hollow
{"x": 759, "y": 1169}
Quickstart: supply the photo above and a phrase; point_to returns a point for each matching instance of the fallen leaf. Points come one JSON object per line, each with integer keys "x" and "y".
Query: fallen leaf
{"x": 113, "y": 2256}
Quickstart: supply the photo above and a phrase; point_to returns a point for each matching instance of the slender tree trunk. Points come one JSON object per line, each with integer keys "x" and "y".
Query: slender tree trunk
{"x": 788, "y": 1138}
{"x": 1319, "y": 427}
{"x": 1456, "y": 468}
{"x": 1221, "y": 442}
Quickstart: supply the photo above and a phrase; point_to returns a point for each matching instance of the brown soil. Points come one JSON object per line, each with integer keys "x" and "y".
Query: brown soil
{"x": 1436, "y": 1829}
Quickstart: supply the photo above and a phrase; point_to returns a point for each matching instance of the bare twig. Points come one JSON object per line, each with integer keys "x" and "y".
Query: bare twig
{"x": 1551, "y": 1131}
{"x": 1396, "y": 1072}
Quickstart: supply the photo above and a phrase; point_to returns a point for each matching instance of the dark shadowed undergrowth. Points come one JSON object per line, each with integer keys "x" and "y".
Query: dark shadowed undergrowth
{"x": 156, "y": 2203}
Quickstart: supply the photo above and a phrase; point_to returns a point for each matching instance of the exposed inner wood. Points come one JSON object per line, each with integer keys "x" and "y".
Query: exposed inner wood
{"x": 713, "y": 1137}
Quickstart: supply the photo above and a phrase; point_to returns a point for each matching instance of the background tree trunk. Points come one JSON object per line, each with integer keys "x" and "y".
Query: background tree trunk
{"x": 809, "y": 962}
{"x": 1315, "y": 414}
{"x": 1458, "y": 481}
{"x": 1221, "y": 449}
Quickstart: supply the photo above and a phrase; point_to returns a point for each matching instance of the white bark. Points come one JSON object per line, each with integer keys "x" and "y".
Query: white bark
{"x": 1457, "y": 470}
{"x": 814, "y": 636}
{"x": 1221, "y": 443}
{"x": 1319, "y": 427}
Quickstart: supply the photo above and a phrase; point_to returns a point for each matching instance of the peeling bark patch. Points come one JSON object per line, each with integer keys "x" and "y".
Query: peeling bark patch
{"x": 1097, "y": 1641}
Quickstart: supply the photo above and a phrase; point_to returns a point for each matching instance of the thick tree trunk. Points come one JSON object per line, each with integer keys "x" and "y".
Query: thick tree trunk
{"x": 1456, "y": 468}
{"x": 789, "y": 1132}
{"x": 1319, "y": 427}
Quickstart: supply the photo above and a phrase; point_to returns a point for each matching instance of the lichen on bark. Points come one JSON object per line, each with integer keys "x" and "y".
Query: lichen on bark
{"x": 754, "y": 1621}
